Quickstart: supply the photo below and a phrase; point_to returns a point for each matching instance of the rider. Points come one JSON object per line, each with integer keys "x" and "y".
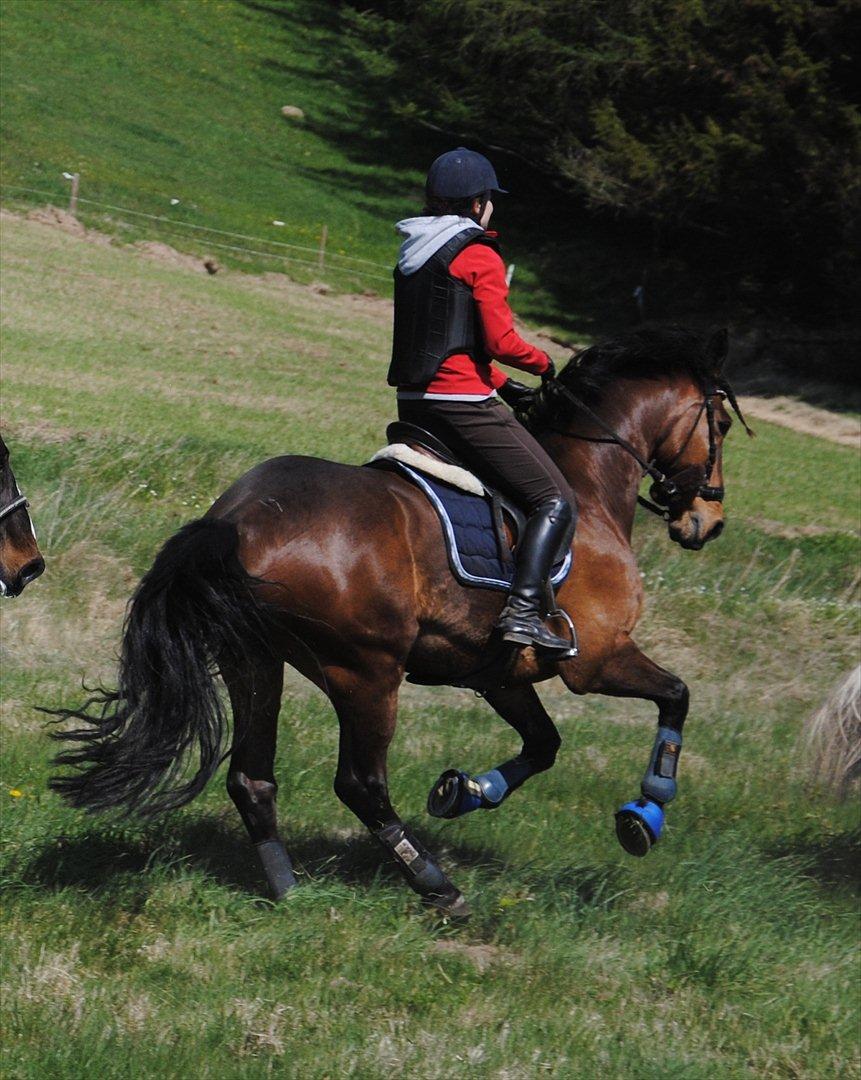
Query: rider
{"x": 452, "y": 317}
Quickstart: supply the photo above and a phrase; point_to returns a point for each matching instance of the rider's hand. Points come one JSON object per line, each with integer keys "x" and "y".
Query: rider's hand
{"x": 516, "y": 394}
{"x": 550, "y": 372}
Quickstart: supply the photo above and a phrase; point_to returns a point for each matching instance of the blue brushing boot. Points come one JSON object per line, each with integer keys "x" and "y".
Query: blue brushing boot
{"x": 457, "y": 793}
{"x": 638, "y": 826}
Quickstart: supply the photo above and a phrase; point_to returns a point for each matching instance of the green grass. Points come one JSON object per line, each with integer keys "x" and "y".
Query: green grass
{"x": 133, "y": 393}
{"x": 151, "y": 101}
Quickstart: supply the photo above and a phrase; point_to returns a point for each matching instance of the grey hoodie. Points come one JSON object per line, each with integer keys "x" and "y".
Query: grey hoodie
{"x": 424, "y": 236}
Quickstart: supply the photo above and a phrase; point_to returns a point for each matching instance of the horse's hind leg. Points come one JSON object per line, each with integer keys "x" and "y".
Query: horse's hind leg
{"x": 456, "y": 793}
{"x": 255, "y": 694}
{"x": 367, "y": 712}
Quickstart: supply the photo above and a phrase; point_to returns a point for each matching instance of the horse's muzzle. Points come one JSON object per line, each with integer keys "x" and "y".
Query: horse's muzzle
{"x": 29, "y": 572}
{"x": 693, "y": 531}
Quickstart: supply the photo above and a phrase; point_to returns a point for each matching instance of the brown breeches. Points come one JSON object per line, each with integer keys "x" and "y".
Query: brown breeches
{"x": 489, "y": 440}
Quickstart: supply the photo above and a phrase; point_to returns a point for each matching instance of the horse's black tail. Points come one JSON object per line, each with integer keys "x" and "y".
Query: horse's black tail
{"x": 193, "y": 608}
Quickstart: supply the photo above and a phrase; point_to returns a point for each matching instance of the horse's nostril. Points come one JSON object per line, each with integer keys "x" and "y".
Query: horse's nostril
{"x": 31, "y": 571}
{"x": 716, "y": 531}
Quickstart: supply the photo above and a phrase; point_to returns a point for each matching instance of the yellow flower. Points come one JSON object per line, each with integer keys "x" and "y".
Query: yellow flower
{"x": 15, "y": 793}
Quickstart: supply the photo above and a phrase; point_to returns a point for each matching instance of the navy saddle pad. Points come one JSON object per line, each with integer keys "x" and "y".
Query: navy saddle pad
{"x": 470, "y": 536}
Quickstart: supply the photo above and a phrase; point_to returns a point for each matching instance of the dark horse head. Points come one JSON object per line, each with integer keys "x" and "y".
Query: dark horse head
{"x": 679, "y": 421}
{"x": 20, "y": 559}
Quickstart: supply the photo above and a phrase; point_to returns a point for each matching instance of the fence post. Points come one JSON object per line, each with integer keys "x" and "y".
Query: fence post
{"x": 323, "y": 237}
{"x": 73, "y": 195}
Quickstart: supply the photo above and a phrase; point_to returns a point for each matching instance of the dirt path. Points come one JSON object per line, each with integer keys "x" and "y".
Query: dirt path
{"x": 782, "y": 409}
{"x": 808, "y": 419}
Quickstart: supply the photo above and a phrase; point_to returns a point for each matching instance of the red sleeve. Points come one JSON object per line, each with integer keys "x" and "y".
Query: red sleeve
{"x": 497, "y": 377}
{"x": 480, "y": 267}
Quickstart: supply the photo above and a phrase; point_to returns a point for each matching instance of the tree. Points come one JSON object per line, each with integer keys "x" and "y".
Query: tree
{"x": 732, "y": 119}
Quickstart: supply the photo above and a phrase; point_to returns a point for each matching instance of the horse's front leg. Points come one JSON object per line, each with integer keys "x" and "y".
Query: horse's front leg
{"x": 630, "y": 673}
{"x": 457, "y": 793}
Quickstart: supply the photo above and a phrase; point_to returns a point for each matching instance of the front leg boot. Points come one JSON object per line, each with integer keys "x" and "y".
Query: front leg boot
{"x": 639, "y": 823}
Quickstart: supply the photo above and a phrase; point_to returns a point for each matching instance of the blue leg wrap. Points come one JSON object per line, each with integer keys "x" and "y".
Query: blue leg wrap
{"x": 659, "y": 782}
{"x": 639, "y": 823}
{"x": 456, "y": 793}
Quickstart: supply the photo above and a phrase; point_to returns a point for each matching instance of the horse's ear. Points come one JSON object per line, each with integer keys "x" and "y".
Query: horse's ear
{"x": 716, "y": 350}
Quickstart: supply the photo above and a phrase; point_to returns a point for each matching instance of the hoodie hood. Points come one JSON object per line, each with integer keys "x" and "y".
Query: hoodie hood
{"x": 424, "y": 236}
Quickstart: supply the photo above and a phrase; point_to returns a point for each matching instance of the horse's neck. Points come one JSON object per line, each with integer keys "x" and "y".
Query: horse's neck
{"x": 606, "y": 477}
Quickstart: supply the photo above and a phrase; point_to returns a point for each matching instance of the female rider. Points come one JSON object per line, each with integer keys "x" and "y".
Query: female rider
{"x": 452, "y": 320}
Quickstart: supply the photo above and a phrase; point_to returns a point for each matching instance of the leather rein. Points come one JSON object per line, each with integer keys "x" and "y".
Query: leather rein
{"x": 665, "y": 488}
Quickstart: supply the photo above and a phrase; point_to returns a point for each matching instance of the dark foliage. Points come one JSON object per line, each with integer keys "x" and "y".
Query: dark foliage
{"x": 733, "y": 122}
{"x": 192, "y": 608}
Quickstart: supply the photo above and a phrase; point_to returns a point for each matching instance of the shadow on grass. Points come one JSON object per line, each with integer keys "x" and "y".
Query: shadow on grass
{"x": 116, "y": 861}
{"x": 831, "y": 860}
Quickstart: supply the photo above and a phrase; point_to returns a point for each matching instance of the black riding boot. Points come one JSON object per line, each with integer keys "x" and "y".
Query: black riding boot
{"x": 547, "y": 528}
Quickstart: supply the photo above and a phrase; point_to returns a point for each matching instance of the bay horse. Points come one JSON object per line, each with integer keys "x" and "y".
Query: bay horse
{"x": 20, "y": 559}
{"x": 341, "y": 572}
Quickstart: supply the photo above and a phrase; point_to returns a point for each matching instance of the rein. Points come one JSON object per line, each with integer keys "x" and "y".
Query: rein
{"x": 17, "y": 504}
{"x": 665, "y": 488}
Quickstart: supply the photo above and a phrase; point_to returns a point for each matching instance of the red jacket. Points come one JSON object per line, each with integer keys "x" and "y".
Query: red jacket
{"x": 480, "y": 267}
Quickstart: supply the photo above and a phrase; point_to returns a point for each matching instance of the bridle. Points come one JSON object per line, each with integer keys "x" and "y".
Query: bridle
{"x": 18, "y": 503}
{"x": 692, "y": 481}
{"x": 679, "y": 485}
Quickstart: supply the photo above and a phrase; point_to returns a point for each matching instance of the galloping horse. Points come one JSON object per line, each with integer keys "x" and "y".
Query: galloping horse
{"x": 20, "y": 559}
{"x": 341, "y": 572}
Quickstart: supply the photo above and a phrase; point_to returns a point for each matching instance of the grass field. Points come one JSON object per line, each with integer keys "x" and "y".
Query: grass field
{"x": 181, "y": 100}
{"x": 134, "y": 391}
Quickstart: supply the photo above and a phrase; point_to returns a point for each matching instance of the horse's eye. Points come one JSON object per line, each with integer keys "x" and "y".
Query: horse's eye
{"x": 724, "y": 426}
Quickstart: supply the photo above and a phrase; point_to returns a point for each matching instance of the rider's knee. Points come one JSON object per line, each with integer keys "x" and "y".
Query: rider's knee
{"x": 561, "y": 509}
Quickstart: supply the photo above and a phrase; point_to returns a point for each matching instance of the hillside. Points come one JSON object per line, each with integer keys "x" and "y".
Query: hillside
{"x": 182, "y": 101}
{"x": 135, "y": 389}
{"x": 151, "y": 102}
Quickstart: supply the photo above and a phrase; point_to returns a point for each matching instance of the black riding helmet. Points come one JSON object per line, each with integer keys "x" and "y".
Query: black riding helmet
{"x": 461, "y": 174}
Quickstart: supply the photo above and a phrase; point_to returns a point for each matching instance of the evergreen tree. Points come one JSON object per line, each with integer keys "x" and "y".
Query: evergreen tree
{"x": 733, "y": 119}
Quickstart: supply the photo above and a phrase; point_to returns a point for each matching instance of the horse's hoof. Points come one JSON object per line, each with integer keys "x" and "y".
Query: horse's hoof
{"x": 638, "y": 826}
{"x": 278, "y": 868}
{"x": 454, "y": 794}
{"x": 453, "y": 905}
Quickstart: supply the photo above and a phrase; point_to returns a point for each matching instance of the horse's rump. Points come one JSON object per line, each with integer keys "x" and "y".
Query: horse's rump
{"x": 356, "y": 554}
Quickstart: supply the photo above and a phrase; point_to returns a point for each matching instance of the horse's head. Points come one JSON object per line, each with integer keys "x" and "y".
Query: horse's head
{"x": 660, "y": 395}
{"x": 20, "y": 559}
{"x": 689, "y": 450}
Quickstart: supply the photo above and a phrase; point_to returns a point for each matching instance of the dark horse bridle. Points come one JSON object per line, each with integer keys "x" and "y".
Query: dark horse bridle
{"x": 667, "y": 488}
{"x": 18, "y": 503}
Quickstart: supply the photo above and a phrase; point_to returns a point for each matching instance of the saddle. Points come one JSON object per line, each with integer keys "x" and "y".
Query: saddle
{"x": 505, "y": 512}
{"x": 451, "y": 487}
{"x": 480, "y": 526}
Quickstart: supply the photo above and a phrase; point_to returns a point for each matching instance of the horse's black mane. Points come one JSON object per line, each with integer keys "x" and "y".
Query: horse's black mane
{"x": 644, "y": 353}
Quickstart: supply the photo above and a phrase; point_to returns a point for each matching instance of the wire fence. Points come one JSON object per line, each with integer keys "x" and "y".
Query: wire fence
{"x": 325, "y": 261}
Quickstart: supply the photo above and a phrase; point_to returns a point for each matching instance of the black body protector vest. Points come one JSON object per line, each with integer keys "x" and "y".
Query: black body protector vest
{"x": 435, "y": 316}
